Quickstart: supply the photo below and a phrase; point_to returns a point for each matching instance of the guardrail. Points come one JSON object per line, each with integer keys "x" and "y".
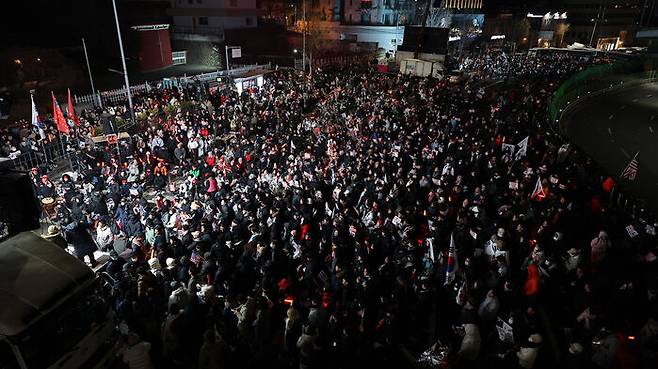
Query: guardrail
{"x": 592, "y": 82}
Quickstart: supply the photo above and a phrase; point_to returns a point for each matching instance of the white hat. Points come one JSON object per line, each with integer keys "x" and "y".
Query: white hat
{"x": 154, "y": 263}
{"x": 535, "y": 338}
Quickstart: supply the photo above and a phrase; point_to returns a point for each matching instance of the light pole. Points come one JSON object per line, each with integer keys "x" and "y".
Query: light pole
{"x": 91, "y": 79}
{"x": 123, "y": 61}
{"x": 304, "y": 37}
{"x": 227, "y": 48}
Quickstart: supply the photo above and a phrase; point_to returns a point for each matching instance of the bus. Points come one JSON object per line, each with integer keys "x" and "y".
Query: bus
{"x": 52, "y": 310}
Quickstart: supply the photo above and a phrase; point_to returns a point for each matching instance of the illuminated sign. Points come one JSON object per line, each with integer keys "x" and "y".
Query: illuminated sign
{"x": 150, "y": 27}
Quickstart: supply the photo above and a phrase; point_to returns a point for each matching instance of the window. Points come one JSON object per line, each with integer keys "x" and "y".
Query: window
{"x": 203, "y": 21}
{"x": 248, "y": 21}
{"x": 233, "y": 3}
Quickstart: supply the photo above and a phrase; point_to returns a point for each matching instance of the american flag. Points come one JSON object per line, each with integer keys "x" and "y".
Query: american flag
{"x": 630, "y": 171}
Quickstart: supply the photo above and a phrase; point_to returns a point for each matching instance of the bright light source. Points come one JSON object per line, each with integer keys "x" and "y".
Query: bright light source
{"x": 498, "y": 37}
{"x": 17, "y": 61}
{"x": 547, "y": 16}
{"x": 38, "y": 59}
{"x": 295, "y": 51}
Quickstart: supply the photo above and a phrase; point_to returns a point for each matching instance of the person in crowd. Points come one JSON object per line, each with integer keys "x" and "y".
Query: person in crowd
{"x": 332, "y": 220}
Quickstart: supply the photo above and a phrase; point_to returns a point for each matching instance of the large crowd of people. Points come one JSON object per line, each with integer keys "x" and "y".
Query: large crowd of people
{"x": 355, "y": 219}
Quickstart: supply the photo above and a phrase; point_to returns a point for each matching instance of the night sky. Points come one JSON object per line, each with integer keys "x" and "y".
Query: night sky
{"x": 61, "y": 23}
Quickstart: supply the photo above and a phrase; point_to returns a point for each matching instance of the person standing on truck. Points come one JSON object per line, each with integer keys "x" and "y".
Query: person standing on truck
{"x": 77, "y": 234}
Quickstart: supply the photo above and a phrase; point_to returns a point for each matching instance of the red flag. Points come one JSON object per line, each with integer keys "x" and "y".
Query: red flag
{"x": 71, "y": 111}
{"x": 60, "y": 122}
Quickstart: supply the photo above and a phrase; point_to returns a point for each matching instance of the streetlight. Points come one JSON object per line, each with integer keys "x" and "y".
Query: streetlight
{"x": 227, "y": 60}
{"x": 123, "y": 61}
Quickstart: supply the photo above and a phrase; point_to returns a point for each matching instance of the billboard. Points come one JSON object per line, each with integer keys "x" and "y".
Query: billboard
{"x": 435, "y": 40}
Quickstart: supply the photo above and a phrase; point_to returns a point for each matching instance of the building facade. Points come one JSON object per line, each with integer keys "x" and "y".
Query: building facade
{"x": 603, "y": 24}
{"x": 206, "y": 20}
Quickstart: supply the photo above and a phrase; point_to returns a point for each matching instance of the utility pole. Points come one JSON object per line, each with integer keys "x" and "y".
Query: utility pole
{"x": 419, "y": 41}
{"x": 91, "y": 79}
{"x": 123, "y": 61}
{"x": 600, "y": 15}
{"x": 227, "y": 48}
{"x": 304, "y": 37}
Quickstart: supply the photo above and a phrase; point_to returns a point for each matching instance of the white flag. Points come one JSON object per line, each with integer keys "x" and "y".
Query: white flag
{"x": 523, "y": 148}
{"x": 35, "y": 119}
{"x": 430, "y": 241}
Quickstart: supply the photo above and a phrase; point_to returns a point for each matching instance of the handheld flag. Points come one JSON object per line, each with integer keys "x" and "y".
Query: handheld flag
{"x": 71, "y": 110}
{"x": 35, "y": 119}
{"x": 539, "y": 193}
{"x": 451, "y": 268}
{"x": 630, "y": 172}
{"x": 523, "y": 148}
{"x": 430, "y": 242}
{"x": 58, "y": 116}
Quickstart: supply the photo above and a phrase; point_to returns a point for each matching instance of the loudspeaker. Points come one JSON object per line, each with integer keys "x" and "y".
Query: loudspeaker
{"x": 19, "y": 207}
{"x": 109, "y": 124}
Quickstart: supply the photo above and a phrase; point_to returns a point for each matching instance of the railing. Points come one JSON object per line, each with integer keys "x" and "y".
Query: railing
{"x": 592, "y": 80}
{"x": 589, "y": 83}
{"x": 44, "y": 155}
{"x": 119, "y": 95}
{"x": 111, "y": 96}
{"x": 341, "y": 61}
{"x": 178, "y": 57}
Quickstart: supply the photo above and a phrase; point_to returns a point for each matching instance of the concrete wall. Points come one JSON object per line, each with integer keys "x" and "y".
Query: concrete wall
{"x": 382, "y": 35}
{"x": 241, "y": 4}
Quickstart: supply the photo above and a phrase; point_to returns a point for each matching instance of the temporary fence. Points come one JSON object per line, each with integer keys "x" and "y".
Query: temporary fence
{"x": 111, "y": 96}
{"x": 43, "y": 155}
{"x": 119, "y": 95}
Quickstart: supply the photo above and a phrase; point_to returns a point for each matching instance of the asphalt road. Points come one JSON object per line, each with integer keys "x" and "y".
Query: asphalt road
{"x": 613, "y": 127}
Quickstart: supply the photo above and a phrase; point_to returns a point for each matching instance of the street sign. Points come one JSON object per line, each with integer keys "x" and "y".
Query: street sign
{"x": 112, "y": 138}
{"x": 236, "y": 53}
